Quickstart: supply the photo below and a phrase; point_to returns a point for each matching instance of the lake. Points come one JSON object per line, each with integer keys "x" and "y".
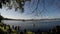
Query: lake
{"x": 33, "y": 25}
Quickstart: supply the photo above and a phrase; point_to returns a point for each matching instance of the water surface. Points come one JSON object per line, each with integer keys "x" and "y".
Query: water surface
{"x": 33, "y": 25}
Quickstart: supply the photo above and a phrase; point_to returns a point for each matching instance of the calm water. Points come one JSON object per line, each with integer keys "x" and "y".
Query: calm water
{"x": 33, "y": 25}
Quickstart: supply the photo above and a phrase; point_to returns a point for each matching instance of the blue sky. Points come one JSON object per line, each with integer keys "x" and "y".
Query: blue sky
{"x": 52, "y": 10}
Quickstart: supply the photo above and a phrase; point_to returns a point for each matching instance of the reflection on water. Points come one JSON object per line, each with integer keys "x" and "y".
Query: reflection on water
{"x": 33, "y": 24}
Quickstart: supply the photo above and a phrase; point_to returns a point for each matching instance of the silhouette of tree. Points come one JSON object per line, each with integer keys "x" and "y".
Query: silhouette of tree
{"x": 10, "y": 3}
{"x": 0, "y": 5}
{"x": 1, "y": 18}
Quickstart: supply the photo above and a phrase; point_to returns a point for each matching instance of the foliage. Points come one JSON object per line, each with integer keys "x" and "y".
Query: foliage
{"x": 17, "y": 4}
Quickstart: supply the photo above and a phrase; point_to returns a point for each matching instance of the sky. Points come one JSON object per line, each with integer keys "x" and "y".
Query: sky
{"x": 52, "y": 10}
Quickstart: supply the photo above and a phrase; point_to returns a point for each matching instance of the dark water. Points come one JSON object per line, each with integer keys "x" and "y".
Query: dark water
{"x": 33, "y": 25}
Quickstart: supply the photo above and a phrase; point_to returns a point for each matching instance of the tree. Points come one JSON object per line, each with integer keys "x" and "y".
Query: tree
{"x": 10, "y": 4}
{"x": 1, "y": 17}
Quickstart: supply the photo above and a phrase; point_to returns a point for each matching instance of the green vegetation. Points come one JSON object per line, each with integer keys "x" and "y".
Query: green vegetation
{"x": 5, "y": 29}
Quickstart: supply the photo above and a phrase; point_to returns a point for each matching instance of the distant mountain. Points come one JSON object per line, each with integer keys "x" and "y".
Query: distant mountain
{"x": 7, "y": 19}
{"x": 33, "y": 19}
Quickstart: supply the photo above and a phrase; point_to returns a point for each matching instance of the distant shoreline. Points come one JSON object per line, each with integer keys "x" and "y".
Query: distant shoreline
{"x": 42, "y": 20}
